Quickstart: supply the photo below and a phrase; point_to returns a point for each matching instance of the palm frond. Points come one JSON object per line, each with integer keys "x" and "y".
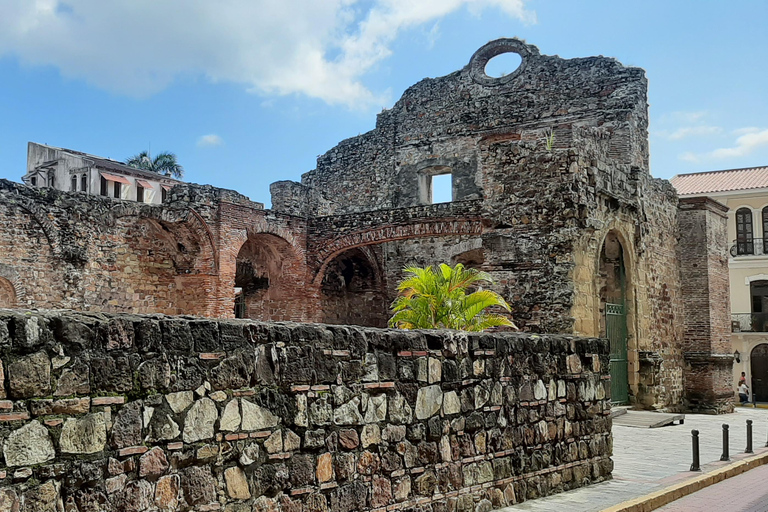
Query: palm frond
{"x": 436, "y": 298}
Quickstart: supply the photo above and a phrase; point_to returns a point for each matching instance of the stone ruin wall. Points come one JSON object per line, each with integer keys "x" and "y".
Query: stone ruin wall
{"x": 63, "y": 249}
{"x": 120, "y": 412}
{"x": 70, "y": 250}
{"x": 532, "y": 214}
{"x": 543, "y": 211}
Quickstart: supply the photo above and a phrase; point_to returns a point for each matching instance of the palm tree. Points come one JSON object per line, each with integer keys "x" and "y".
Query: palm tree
{"x": 438, "y": 299}
{"x": 164, "y": 163}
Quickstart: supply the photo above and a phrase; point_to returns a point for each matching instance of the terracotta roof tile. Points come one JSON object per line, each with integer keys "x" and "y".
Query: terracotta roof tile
{"x": 720, "y": 181}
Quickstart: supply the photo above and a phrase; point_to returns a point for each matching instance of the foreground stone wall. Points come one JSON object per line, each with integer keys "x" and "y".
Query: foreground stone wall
{"x": 110, "y": 412}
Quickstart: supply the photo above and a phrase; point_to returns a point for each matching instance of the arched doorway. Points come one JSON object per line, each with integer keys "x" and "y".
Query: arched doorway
{"x": 759, "y": 370}
{"x": 613, "y": 304}
{"x": 7, "y": 294}
{"x": 352, "y": 290}
{"x": 268, "y": 280}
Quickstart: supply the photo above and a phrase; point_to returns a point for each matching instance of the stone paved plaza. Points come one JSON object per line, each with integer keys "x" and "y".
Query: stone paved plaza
{"x": 647, "y": 460}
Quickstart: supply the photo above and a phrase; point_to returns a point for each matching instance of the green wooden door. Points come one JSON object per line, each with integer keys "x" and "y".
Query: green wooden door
{"x": 616, "y": 331}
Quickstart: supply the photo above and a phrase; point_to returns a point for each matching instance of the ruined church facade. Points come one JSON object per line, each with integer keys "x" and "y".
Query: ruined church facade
{"x": 551, "y": 195}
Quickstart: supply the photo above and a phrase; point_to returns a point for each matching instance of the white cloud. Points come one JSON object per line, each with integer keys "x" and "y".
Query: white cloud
{"x": 688, "y": 157}
{"x": 744, "y": 145}
{"x": 138, "y": 47}
{"x": 690, "y": 131}
{"x": 209, "y": 140}
{"x": 749, "y": 139}
{"x": 746, "y": 129}
{"x": 683, "y": 117}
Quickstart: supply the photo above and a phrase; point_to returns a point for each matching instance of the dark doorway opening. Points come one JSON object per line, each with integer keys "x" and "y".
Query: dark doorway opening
{"x": 759, "y": 368}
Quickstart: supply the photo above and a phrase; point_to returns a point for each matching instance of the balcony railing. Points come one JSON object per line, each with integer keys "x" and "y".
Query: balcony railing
{"x": 749, "y": 322}
{"x": 749, "y": 247}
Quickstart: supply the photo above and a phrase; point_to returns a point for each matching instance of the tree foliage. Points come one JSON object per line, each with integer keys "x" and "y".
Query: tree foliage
{"x": 164, "y": 163}
{"x": 438, "y": 299}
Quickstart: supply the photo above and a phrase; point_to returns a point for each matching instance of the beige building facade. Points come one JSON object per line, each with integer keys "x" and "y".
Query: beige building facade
{"x": 75, "y": 171}
{"x": 745, "y": 193}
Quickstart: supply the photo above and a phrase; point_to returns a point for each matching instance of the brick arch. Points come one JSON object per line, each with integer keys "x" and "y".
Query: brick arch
{"x": 12, "y": 292}
{"x": 188, "y": 221}
{"x": 270, "y": 272}
{"x": 262, "y": 226}
{"x": 47, "y": 226}
{"x": 324, "y": 253}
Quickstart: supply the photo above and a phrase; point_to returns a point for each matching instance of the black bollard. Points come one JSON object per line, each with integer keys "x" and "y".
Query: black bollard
{"x": 696, "y": 465}
{"x": 725, "y": 455}
{"x": 749, "y": 437}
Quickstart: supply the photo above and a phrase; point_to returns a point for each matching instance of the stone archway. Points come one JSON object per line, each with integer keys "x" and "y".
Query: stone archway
{"x": 614, "y": 306}
{"x": 352, "y": 291}
{"x": 269, "y": 280}
{"x": 7, "y": 294}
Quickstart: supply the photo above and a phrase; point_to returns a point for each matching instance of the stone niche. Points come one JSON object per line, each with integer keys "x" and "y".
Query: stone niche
{"x": 118, "y": 412}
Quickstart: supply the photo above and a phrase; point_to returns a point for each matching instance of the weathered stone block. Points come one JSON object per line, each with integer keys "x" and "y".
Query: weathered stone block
{"x": 111, "y": 374}
{"x": 230, "y": 416}
{"x": 274, "y": 443}
{"x": 324, "y": 467}
{"x": 30, "y": 376}
{"x": 74, "y": 380}
{"x": 180, "y": 400}
{"x": 84, "y": 435}
{"x": 28, "y": 446}
{"x": 167, "y": 492}
{"x": 428, "y": 401}
{"x": 256, "y": 417}
{"x": 198, "y": 485}
{"x": 43, "y": 498}
{"x": 199, "y": 422}
{"x": 237, "y": 483}
{"x": 153, "y": 463}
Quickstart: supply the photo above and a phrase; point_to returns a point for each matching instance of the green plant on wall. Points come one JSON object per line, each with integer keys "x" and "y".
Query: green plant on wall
{"x": 550, "y": 139}
{"x": 438, "y": 299}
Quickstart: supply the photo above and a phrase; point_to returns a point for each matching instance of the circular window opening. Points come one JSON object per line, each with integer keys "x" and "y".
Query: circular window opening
{"x": 503, "y": 65}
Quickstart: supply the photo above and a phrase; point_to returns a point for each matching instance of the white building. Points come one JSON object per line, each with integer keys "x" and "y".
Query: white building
{"x": 745, "y": 193}
{"x": 74, "y": 171}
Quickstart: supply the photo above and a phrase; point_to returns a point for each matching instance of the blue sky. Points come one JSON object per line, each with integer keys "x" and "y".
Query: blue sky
{"x": 247, "y": 92}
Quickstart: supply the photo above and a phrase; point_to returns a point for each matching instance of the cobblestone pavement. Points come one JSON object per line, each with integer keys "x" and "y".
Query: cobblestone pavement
{"x": 743, "y": 493}
{"x": 647, "y": 460}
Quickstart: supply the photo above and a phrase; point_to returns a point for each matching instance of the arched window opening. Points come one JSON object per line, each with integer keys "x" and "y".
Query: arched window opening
{"x": 266, "y": 284}
{"x": 352, "y": 292}
{"x": 765, "y": 230}
{"x": 744, "y": 232}
{"x": 84, "y": 183}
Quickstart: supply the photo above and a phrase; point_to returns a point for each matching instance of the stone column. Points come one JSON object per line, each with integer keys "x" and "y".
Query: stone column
{"x": 707, "y": 351}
